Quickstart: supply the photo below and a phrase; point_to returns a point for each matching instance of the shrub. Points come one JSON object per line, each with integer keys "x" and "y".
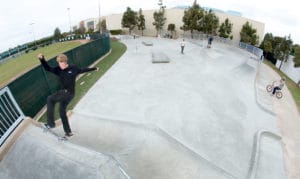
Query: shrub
{"x": 116, "y": 32}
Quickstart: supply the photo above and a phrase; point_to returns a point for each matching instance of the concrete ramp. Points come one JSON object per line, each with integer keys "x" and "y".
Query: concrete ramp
{"x": 36, "y": 154}
{"x": 264, "y": 99}
{"x": 246, "y": 69}
{"x": 145, "y": 150}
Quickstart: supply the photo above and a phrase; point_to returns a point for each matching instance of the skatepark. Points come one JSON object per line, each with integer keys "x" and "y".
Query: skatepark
{"x": 201, "y": 114}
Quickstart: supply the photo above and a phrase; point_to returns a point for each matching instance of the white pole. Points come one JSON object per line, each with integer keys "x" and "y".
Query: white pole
{"x": 70, "y": 20}
{"x": 31, "y": 24}
{"x": 99, "y": 17}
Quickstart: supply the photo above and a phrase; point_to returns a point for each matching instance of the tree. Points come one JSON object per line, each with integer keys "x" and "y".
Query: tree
{"x": 75, "y": 29}
{"x": 129, "y": 19}
{"x": 210, "y": 23}
{"x": 293, "y": 48}
{"x": 288, "y": 45}
{"x": 267, "y": 46}
{"x": 141, "y": 21}
{"x": 248, "y": 34}
{"x": 159, "y": 20}
{"x": 192, "y": 18}
{"x": 171, "y": 28}
{"x": 278, "y": 54}
{"x": 226, "y": 29}
{"x": 82, "y": 28}
{"x": 90, "y": 31}
{"x": 283, "y": 46}
{"x": 297, "y": 56}
{"x": 103, "y": 25}
{"x": 268, "y": 37}
{"x": 57, "y": 34}
{"x": 277, "y": 48}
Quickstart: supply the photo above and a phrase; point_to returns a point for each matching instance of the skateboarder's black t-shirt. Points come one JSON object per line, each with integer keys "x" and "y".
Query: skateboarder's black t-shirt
{"x": 67, "y": 76}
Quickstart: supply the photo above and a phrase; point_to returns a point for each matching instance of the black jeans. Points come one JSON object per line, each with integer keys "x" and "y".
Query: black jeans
{"x": 275, "y": 89}
{"x": 63, "y": 97}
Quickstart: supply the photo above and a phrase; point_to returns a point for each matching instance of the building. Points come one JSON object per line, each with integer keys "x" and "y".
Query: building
{"x": 90, "y": 23}
{"x": 175, "y": 15}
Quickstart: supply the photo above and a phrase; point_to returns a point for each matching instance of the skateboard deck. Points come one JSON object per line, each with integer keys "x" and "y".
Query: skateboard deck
{"x": 59, "y": 137}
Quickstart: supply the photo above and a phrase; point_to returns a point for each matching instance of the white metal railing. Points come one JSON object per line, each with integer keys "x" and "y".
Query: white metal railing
{"x": 252, "y": 49}
{"x": 10, "y": 114}
{"x": 201, "y": 36}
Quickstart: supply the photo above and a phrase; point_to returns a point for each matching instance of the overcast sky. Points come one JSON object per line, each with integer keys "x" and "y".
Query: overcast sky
{"x": 280, "y": 17}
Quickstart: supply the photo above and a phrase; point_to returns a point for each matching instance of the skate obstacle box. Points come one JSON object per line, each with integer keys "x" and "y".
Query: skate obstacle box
{"x": 160, "y": 57}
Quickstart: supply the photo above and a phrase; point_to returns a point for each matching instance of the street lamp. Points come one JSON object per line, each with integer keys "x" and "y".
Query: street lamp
{"x": 161, "y": 9}
{"x": 100, "y": 29}
{"x": 69, "y": 20}
{"x": 160, "y": 4}
{"x": 31, "y": 24}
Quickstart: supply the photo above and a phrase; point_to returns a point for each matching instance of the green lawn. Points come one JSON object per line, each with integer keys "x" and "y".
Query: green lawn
{"x": 292, "y": 86}
{"x": 14, "y": 67}
{"x": 118, "y": 50}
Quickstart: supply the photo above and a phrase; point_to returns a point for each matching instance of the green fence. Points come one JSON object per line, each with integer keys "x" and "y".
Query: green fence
{"x": 31, "y": 89}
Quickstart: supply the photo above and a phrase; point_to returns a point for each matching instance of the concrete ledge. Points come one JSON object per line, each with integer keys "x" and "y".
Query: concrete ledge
{"x": 159, "y": 57}
{"x": 147, "y": 43}
{"x": 256, "y": 150}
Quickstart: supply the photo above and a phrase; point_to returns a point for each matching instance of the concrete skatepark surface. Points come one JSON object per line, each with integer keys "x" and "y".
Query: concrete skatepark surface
{"x": 199, "y": 116}
{"x": 40, "y": 155}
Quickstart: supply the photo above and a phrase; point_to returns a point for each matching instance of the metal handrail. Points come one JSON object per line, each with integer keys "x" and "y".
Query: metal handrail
{"x": 11, "y": 114}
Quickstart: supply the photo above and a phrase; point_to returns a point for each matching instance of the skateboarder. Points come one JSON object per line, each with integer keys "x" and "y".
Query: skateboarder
{"x": 67, "y": 76}
{"x": 210, "y": 39}
{"x": 182, "y": 45}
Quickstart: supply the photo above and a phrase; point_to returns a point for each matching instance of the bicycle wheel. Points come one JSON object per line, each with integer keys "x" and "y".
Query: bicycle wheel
{"x": 269, "y": 88}
{"x": 279, "y": 94}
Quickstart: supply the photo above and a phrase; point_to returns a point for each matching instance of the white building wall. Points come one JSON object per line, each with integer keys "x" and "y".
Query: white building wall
{"x": 175, "y": 16}
{"x": 238, "y": 23}
{"x": 114, "y": 21}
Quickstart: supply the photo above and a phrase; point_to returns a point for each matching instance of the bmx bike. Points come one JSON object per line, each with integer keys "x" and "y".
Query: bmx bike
{"x": 278, "y": 93}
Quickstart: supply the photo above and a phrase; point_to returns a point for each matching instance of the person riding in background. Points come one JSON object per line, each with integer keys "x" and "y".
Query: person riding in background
{"x": 279, "y": 86}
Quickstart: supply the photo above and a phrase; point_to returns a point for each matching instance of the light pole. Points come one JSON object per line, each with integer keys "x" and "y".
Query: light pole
{"x": 161, "y": 5}
{"x": 161, "y": 10}
{"x": 69, "y": 20}
{"x": 100, "y": 28}
{"x": 31, "y": 24}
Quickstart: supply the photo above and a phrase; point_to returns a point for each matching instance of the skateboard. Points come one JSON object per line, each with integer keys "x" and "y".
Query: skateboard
{"x": 59, "y": 137}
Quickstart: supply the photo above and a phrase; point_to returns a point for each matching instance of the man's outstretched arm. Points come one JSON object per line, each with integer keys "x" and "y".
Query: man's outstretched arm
{"x": 83, "y": 70}
{"x": 44, "y": 63}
